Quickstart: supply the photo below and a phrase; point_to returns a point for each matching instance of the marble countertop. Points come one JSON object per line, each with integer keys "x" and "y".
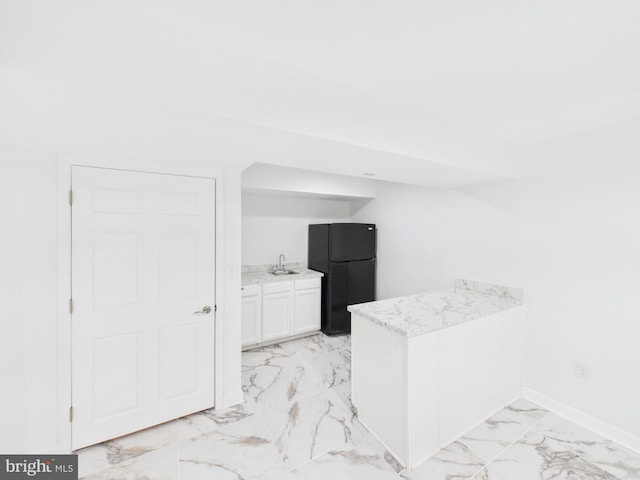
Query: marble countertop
{"x": 423, "y": 313}
{"x": 259, "y": 274}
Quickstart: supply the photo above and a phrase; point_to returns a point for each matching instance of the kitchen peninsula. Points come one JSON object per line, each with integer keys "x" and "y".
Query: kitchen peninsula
{"x": 427, "y": 368}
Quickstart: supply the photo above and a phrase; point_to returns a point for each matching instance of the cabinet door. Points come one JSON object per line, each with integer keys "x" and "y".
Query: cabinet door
{"x": 251, "y": 315}
{"x": 307, "y": 306}
{"x": 277, "y": 312}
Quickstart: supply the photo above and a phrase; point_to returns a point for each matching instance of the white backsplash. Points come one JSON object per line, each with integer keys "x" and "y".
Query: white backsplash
{"x": 490, "y": 289}
{"x": 270, "y": 266}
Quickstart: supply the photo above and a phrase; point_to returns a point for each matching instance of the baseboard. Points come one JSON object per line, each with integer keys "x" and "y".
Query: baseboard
{"x": 231, "y": 399}
{"x": 276, "y": 341}
{"x": 616, "y": 434}
{"x": 519, "y": 394}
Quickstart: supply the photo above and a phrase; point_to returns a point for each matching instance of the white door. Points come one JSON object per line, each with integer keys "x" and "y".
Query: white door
{"x": 142, "y": 266}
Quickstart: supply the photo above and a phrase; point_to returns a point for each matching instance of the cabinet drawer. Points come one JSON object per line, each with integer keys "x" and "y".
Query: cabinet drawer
{"x": 277, "y": 287}
{"x": 308, "y": 283}
{"x": 250, "y": 290}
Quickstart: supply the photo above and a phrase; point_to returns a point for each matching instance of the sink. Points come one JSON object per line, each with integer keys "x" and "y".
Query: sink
{"x": 284, "y": 272}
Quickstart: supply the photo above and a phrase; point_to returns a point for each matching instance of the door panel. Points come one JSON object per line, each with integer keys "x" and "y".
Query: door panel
{"x": 115, "y": 383}
{"x": 142, "y": 264}
{"x": 178, "y": 267}
{"x": 116, "y": 200}
{"x": 115, "y": 269}
{"x": 178, "y": 361}
{"x": 176, "y": 203}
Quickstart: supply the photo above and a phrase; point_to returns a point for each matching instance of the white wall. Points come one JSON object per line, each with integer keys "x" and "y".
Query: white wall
{"x": 29, "y": 353}
{"x": 428, "y": 237}
{"x": 582, "y": 202}
{"x": 29, "y": 296}
{"x": 568, "y": 233}
{"x": 232, "y": 224}
{"x": 273, "y": 224}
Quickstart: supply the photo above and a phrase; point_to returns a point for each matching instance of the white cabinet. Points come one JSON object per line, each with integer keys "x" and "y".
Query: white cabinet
{"x": 275, "y": 311}
{"x": 307, "y": 306}
{"x": 251, "y": 314}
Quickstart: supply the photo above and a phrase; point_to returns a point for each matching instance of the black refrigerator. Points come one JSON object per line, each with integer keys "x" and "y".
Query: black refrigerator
{"x": 346, "y": 254}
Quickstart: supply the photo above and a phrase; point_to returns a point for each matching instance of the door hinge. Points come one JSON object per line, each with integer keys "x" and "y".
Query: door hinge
{"x": 70, "y": 197}
{"x": 70, "y": 414}
{"x": 71, "y": 305}
{"x": 215, "y": 308}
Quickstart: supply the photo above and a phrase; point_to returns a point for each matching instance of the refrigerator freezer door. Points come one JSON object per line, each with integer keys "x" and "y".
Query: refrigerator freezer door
{"x": 352, "y": 241}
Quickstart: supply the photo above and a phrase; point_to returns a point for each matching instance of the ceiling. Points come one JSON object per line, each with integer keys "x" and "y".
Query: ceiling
{"x": 441, "y": 93}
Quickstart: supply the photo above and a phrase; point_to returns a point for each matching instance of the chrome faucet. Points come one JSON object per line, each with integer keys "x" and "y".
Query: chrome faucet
{"x": 281, "y": 260}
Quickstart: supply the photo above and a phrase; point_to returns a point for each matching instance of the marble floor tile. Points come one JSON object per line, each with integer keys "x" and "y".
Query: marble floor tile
{"x": 346, "y": 463}
{"x": 361, "y": 437}
{"x": 317, "y": 343}
{"x": 490, "y": 438}
{"x": 535, "y": 457}
{"x": 340, "y": 341}
{"x": 344, "y": 393}
{"x": 615, "y": 459}
{"x": 119, "y": 450}
{"x": 264, "y": 355}
{"x": 490, "y": 473}
{"x": 160, "y": 464}
{"x": 321, "y": 346}
{"x": 359, "y": 434}
{"x": 298, "y": 423}
{"x": 333, "y": 367}
{"x": 307, "y": 428}
{"x": 213, "y": 419}
{"x": 241, "y": 450}
{"x": 455, "y": 461}
{"x": 525, "y": 411}
{"x": 274, "y": 376}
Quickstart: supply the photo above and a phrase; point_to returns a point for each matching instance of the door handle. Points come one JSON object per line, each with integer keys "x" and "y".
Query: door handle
{"x": 205, "y": 310}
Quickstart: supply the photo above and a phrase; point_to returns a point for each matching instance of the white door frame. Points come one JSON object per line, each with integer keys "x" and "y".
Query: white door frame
{"x": 64, "y": 273}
